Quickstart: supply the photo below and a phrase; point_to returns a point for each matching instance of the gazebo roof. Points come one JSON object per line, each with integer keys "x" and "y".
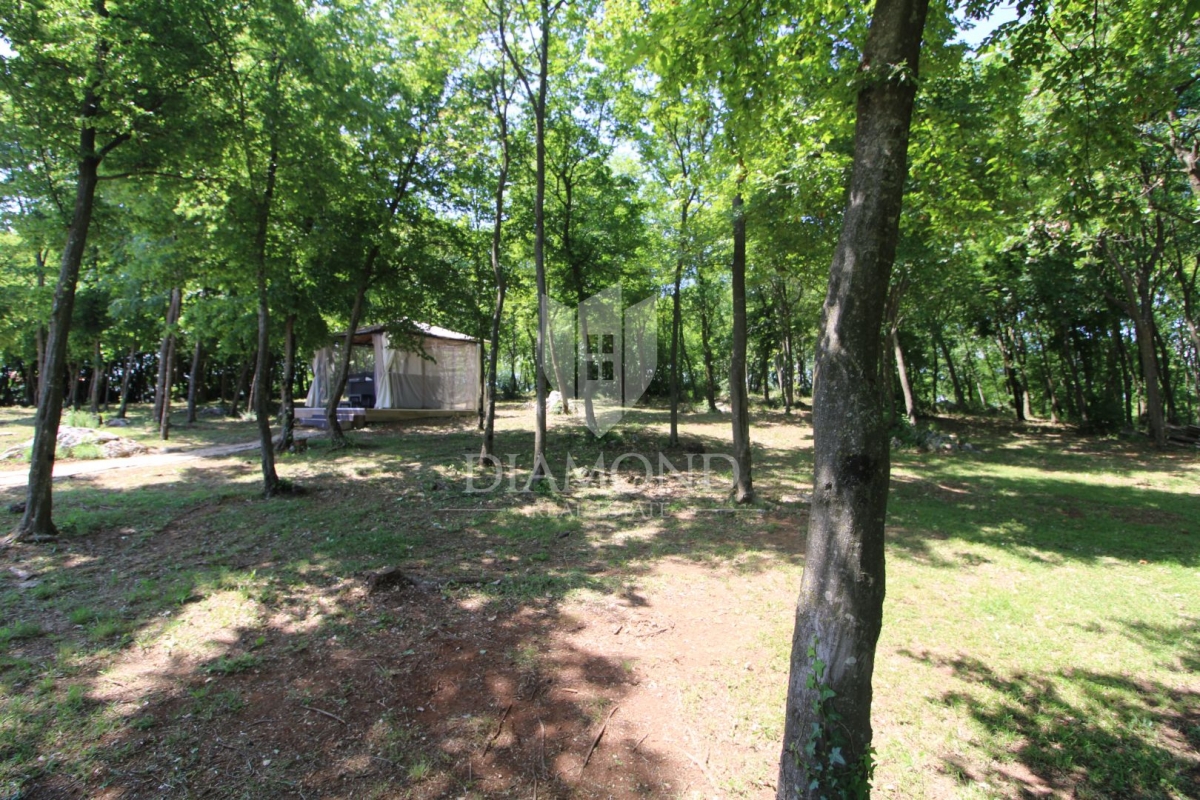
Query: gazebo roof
{"x": 422, "y": 328}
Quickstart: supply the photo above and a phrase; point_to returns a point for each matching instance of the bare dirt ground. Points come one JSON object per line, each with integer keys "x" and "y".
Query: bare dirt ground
{"x": 186, "y": 639}
{"x": 451, "y": 693}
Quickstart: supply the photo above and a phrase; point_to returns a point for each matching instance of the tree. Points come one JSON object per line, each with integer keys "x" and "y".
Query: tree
{"x": 536, "y": 89}
{"x": 827, "y": 736}
{"x": 116, "y": 92}
{"x": 500, "y": 96}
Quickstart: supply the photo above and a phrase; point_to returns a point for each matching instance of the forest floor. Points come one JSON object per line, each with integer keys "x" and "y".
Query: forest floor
{"x": 210, "y": 430}
{"x": 622, "y": 638}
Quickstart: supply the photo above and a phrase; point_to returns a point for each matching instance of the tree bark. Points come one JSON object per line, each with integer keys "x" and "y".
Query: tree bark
{"x": 537, "y": 99}
{"x": 539, "y": 240}
{"x": 285, "y": 442}
{"x": 1019, "y": 354}
{"x": 739, "y": 400}
{"x": 910, "y": 406}
{"x": 1010, "y": 375}
{"x": 710, "y": 377}
{"x": 677, "y": 321}
{"x": 74, "y": 376}
{"x": 262, "y": 387}
{"x": 488, "y": 447}
{"x": 194, "y": 381}
{"x": 1136, "y": 266}
{"x": 787, "y": 362}
{"x": 1164, "y": 367}
{"x": 839, "y": 613}
{"x": 126, "y": 376}
{"x": 167, "y": 369}
{"x": 37, "y": 523}
{"x": 97, "y": 378}
{"x": 960, "y": 398}
{"x": 39, "y": 336}
{"x": 243, "y": 386}
{"x": 1051, "y": 392}
{"x": 366, "y": 275}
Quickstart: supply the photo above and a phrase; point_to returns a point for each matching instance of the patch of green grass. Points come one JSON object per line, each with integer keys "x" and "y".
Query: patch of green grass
{"x": 51, "y": 587}
{"x": 86, "y": 451}
{"x": 83, "y": 615}
{"x": 107, "y": 628}
{"x": 208, "y": 705}
{"x": 19, "y": 630}
{"x": 226, "y": 665}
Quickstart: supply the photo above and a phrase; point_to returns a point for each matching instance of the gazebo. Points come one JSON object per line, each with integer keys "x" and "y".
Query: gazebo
{"x": 426, "y": 371}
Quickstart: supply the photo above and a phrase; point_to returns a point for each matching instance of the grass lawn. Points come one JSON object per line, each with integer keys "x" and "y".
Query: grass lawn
{"x": 619, "y": 637}
{"x": 16, "y": 427}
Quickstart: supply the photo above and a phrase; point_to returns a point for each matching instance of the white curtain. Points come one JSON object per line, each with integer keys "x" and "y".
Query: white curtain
{"x": 388, "y": 363}
{"x": 406, "y": 380}
{"x": 318, "y": 390}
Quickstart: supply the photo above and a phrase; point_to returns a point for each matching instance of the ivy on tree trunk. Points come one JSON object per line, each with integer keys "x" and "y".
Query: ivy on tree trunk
{"x": 827, "y": 736}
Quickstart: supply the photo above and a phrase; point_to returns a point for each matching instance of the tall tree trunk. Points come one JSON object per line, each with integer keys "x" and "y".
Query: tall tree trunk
{"x": 194, "y": 380}
{"x": 162, "y": 384}
{"x": 167, "y": 368}
{"x": 1137, "y": 283}
{"x": 787, "y": 377}
{"x": 1164, "y": 366}
{"x": 537, "y": 99}
{"x": 366, "y": 275}
{"x": 1051, "y": 392}
{"x": 1123, "y": 364}
{"x": 933, "y": 397}
{"x": 488, "y": 448}
{"x": 1019, "y": 354}
{"x": 75, "y": 376}
{"x": 243, "y": 385}
{"x": 262, "y": 370}
{"x": 960, "y": 398}
{"x": 739, "y": 401}
{"x": 287, "y": 400}
{"x": 764, "y": 372}
{"x": 161, "y": 380}
{"x": 39, "y": 336}
{"x": 561, "y": 376}
{"x": 827, "y": 738}
{"x": 1010, "y": 375}
{"x": 973, "y": 376}
{"x": 342, "y": 374}
{"x": 1073, "y": 374}
{"x": 97, "y": 378}
{"x": 126, "y": 376}
{"x": 1144, "y": 331}
{"x": 539, "y": 239}
{"x": 710, "y": 377}
{"x": 677, "y": 323}
{"x": 37, "y": 523}
{"x": 910, "y": 406}
{"x": 781, "y": 378}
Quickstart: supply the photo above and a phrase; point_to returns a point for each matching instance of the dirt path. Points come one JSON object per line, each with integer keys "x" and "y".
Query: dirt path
{"x": 66, "y": 469}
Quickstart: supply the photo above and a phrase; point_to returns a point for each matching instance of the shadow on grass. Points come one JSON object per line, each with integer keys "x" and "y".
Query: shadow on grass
{"x": 436, "y": 691}
{"x": 1078, "y": 733}
{"x": 311, "y": 682}
{"x": 1045, "y": 519}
